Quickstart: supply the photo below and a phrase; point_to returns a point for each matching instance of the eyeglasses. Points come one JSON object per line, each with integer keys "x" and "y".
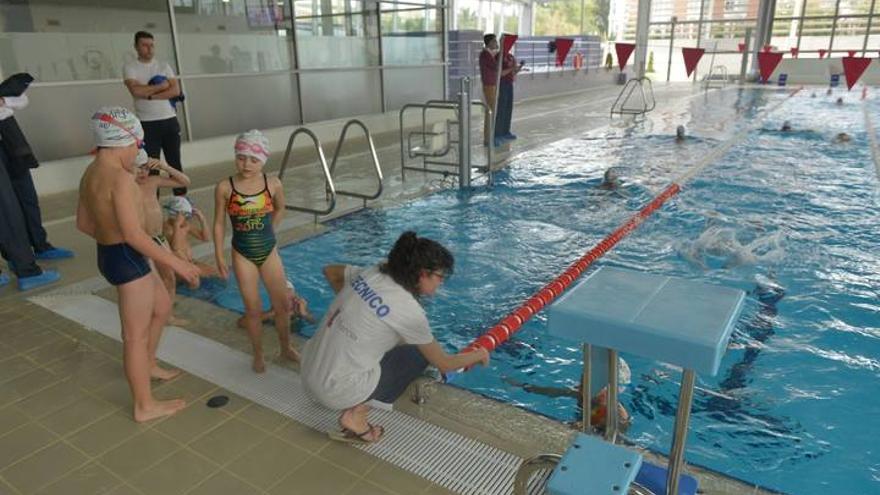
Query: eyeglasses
{"x": 254, "y": 147}
{"x": 441, "y": 275}
{"x": 110, "y": 120}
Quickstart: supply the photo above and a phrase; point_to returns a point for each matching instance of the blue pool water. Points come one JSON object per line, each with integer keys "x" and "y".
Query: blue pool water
{"x": 794, "y": 406}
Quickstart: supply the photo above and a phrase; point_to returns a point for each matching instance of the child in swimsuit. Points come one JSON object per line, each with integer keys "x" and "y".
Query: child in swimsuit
{"x": 110, "y": 211}
{"x": 182, "y": 221}
{"x": 254, "y": 204}
{"x": 150, "y": 178}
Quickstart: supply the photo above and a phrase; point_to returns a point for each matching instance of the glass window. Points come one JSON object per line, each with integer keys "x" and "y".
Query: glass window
{"x": 72, "y": 41}
{"x": 850, "y": 33}
{"x": 337, "y": 41}
{"x": 573, "y": 17}
{"x": 411, "y": 37}
{"x": 307, "y": 8}
{"x": 234, "y": 36}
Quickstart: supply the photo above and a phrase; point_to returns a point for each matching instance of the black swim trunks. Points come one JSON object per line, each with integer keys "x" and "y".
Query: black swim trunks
{"x": 121, "y": 263}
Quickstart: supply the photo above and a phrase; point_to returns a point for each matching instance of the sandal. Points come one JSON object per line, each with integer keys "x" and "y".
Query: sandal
{"x": 350, "y": 436}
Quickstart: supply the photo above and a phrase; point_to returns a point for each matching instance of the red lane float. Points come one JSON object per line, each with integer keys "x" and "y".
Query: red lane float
{"x": 511, "y": 323}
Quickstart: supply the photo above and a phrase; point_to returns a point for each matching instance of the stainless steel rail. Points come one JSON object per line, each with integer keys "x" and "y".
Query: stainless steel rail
{"x": 322, "y": 162}
{"x": 374, "y": 158}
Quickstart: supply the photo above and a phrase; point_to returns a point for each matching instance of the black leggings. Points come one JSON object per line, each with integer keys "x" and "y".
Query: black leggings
{"x": 164, "y": 136}
{"x": 400, "y": 366}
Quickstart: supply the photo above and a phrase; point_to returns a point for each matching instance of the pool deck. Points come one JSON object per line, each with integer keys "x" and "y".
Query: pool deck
{"x": 65, "y": 422}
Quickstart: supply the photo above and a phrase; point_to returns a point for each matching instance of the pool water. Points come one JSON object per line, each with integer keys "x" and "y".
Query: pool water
{"x": 794, "y": 406}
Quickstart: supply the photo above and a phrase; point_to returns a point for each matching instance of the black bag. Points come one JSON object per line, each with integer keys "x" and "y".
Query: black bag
{"x": 16, "y": 84}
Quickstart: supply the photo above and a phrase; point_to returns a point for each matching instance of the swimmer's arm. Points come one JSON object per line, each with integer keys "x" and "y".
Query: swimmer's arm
{"x": 435, "y": 355}
{"x": 84, "y": 221}
{"x": 172, "y": 91}
{"x": 335, "y": 275}
{"x": 277, "y": 202}
{"x": 139, "y": 90}
{"x": 221, "y": 197}
{"x": 175, "y": 177}
{"x": 200, "y": 232}
{"x": 542, "y": 390}
{"x": 130, "y": 223}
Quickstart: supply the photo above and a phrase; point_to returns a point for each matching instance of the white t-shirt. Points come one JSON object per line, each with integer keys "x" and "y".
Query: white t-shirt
{"x": 149, "y": 110}
{"x": 371, "y": 315}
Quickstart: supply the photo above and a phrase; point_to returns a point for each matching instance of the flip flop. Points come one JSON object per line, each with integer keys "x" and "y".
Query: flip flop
{"x": 350, "y": 436}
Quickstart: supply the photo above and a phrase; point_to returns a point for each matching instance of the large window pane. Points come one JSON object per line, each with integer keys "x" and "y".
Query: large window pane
{"x": 337, "y": 41}
{"x": 305, "y": 8}
{"x": 850, "y": 33}
{"x": 239, "y": 36}
{"x": 73, "y": 41}
{"x": 572, "y": 17}
{"x": 411, "y": 37}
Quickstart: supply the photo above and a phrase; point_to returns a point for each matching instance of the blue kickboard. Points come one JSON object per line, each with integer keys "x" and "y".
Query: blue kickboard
{"x": 669, "y": 319}
{"x": 653, "y": 478}
{"x": 591, "y": 465}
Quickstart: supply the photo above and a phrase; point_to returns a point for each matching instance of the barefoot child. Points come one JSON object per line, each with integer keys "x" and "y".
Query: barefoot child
{"x": 178, "y": 227}
{"x": 110, "y": 211}
{"x": 296, "y": 306}
{"x": 254, "y": 204}
{"x": 149, "y": 178}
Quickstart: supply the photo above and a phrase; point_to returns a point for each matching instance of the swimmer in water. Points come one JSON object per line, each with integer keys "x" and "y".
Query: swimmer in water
{"x": 680, "y": 134}
{"x": 839, "y": 102}
{"x": 610, "y": 180}
{"x": 786, "y": 126}
{"x": 841, "y": 138}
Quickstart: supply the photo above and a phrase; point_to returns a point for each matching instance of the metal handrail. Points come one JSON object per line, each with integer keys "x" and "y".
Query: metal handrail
{"x": 373, "y": 156}
{"x": 322, "y": 162}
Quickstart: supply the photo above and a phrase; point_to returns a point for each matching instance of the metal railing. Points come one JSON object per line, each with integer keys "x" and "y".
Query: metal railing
{"x": 373, "y": 157}
{"x": 647, "y": 103}
{"x": 322, "y": 162}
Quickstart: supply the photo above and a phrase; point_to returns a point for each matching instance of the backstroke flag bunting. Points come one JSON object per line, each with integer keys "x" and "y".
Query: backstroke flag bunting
{"x": 767, "y": 62}
{"x": 563, "y": 45}
{"x": 853, "y": 68}
{"x": 692, "y": 57}
{"x": 624, "y": 50}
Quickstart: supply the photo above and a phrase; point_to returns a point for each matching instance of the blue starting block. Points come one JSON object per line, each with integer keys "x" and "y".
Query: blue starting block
{"x": 835, "y": 80}
{"x": 783, "y": 78}
{"x": 595, "y": 467}
{"x": 677, "y": 321}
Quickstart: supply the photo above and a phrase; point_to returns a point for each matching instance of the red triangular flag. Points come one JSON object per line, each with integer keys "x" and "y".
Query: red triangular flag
{"x": 624, "y": 50}
{"x": 508, "y": 40}
{"x": 563, "y": 45}
{"x": 767, "y": 62}
{"x": 852, "y": 53}
{"x": 853, "y": 68}
{"x": 822, "y": 53}
{"x": 741, "y": 47}
{"x": 794, "y": 52}
{"x": 691, "y": 58}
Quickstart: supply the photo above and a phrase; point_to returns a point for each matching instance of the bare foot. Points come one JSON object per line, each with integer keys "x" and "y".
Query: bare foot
{"x": 158, "y": 373}
{"x": 258, "y": 365}
{"x": 158, "y": 409}
{"x": 177, "y": 322}
{"x": 290, "y": 354}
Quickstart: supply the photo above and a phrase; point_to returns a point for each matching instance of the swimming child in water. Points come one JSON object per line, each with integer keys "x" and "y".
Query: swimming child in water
{"x": 254, "y": 204}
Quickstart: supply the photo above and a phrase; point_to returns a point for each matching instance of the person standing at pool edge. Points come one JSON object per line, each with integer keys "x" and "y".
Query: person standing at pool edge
{"x": 255, "y": 216}
{"x": 151, "y": 102}
{"x": 375, "y": 338}
{"x": 110, "y": 211}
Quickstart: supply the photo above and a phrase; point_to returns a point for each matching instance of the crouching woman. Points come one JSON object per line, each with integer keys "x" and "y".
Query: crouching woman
{"x": 375, "y": 339}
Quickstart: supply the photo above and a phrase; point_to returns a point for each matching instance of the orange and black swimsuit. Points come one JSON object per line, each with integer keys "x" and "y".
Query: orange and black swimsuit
{"x": 251, "y": 216}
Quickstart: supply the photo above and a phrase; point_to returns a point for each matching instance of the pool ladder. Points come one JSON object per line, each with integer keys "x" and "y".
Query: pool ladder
{"x": 328, "y": 171}
{"x": 621, "y": 104}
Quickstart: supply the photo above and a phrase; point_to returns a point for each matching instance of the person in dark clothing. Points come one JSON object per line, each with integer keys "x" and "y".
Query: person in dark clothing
{"x": 14, "y": 238}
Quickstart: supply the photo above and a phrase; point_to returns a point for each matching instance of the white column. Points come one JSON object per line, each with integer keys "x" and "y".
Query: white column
{"x": 641, "y": 53}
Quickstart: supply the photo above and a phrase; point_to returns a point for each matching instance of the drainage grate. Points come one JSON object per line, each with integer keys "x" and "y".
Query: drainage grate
{"x": 454, "y": 461}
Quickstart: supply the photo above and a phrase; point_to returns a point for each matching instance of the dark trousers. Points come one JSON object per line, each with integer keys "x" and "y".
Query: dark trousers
{"x": 400, "y": 366}
{"x": 164, "y": 136}
{"x": 505, "y": 109}
{"x": 14, "y": 244}
{"x": 30, "y": 208}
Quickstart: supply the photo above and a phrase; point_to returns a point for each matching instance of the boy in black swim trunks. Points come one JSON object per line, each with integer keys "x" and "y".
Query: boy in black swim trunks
{"x": 110, "y": 211}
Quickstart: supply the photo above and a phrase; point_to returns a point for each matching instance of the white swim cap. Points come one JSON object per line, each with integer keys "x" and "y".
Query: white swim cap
{"x": 177, "y": 205}
{"x": 142, "y": 158}
{"x": 252, "y": 143}
{"x": 115, "y": 127}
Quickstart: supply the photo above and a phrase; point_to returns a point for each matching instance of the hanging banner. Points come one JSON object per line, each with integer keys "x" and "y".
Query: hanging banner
{"x": 853, "y": 68}
{"x": 624, "y": 50}
{"x": 563, "y": 45}
{"x": 508, "y": 40}
{"x": 767, "y": 62}
{"x": 692, "y": 57}
{"x": 822, "y": 53}
{"x": 741, "y": 47}
{"x": 794, "y": 52}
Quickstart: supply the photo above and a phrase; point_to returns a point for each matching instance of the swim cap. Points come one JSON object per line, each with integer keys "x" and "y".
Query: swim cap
{"x": 679, "y": 131}
{"x": 177, "y": 205}
{"x": 252, "y": 143}
{"x": 116, "y": 127}
{"x": 142, "y": 158}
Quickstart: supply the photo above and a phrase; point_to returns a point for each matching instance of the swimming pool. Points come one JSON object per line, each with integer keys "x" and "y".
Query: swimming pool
{"x": 792, "y": 407}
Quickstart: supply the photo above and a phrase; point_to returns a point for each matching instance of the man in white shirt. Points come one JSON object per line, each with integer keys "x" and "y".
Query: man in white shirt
{"x": 157, "y": 114}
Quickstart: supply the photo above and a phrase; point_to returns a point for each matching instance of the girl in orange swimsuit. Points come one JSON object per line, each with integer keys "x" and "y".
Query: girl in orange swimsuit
{"x": 254, "y": 204}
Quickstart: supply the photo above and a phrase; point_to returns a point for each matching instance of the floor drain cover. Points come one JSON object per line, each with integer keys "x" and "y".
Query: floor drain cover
{"x": 218, "y": 401}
